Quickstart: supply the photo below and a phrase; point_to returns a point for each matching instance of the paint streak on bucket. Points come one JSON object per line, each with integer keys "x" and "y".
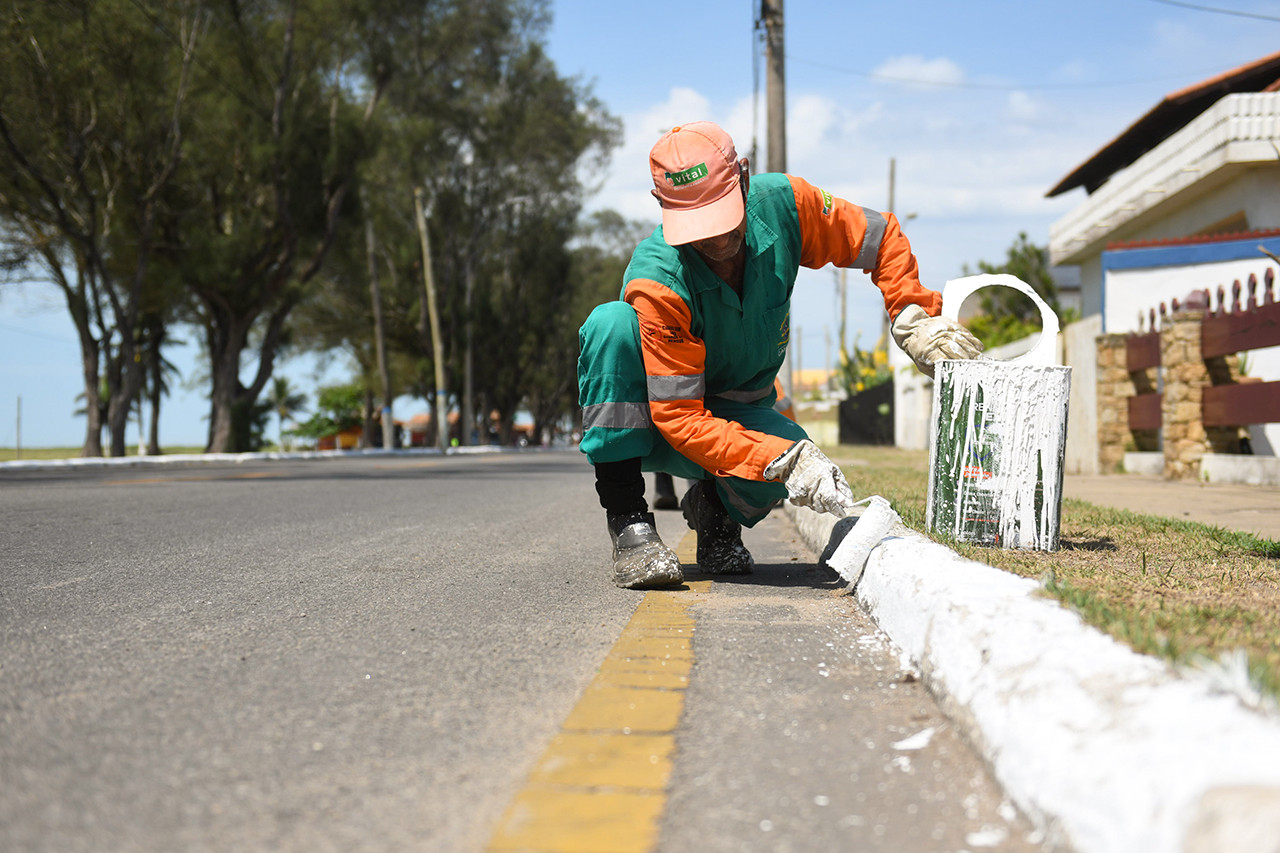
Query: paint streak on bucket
{"x": 999, "y": 438}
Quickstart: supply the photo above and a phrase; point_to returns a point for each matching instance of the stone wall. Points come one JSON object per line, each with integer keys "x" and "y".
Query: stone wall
{"x": 1184, "y": 373}
{"x": 1115, "y": 387}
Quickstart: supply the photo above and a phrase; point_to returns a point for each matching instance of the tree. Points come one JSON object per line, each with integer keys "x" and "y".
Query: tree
{"x": 1008, "y": 315}
{"x": 285, "y": 403}
{"x": 156, "y": 371}
{"x": 91, "y": 126}
{"x": 519, "y": 189}
{"x": 337, "y": 409}
{"x": 475, "y": 115}
{"x": 202, "y": 160}
{"x": 271, "y": 182}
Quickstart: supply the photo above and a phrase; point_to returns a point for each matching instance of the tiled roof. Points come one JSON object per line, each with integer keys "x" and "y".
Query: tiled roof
{"x": 1195, "y": 240}
{"x": 1166, "y": 118}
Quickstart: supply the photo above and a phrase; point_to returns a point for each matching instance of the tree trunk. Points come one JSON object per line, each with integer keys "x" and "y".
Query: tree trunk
{"x": 92, "y": 397}
{"x": 122, "y": 399}
{"x": 437, "y": 345}
{"x": 226, "y": 339}
{"x": 153, "y": 439}
{"x": 231, "y": 403}
{"x": 366, "y": 425}
{"x": 380, "y": 338}
{"x": 468, "y": 383}
{"x": 155, "y": 367}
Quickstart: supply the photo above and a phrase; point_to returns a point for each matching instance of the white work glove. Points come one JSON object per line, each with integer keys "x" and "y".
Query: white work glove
{"x": 812, "y": 479}
{"x": 929, "y": 340}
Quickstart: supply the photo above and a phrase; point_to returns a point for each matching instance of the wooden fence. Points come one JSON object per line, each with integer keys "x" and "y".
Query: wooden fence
{"x": 1224, "y": 331}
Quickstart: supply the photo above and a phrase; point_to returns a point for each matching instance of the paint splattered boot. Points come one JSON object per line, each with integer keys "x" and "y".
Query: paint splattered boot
{"x": 640, "y": 559}
{"x": 720, "y": 548}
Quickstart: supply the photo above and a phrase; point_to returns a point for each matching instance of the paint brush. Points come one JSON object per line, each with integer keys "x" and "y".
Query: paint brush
{"x": 850, "y": 557}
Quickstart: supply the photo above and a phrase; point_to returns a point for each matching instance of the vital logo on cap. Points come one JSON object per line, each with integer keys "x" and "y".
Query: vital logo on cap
{"x": 688, "y": 176}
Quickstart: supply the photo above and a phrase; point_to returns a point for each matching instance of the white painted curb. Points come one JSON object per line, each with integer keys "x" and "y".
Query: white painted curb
{"x": 1106, "y": 749}
{"x": 242, "y": 458}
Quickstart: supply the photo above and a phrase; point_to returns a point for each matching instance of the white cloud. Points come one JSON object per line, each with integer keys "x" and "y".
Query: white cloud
{"x": 1074, "y": 70}
{"x": 917, "y": 70}
{"x": 1021, "y": 107}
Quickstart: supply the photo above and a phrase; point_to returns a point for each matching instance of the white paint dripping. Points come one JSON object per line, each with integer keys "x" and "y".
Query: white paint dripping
{"x": 996, "y": 465}
{"x": 998, "y": 477}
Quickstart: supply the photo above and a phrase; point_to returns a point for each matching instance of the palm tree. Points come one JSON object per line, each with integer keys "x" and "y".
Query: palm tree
{"x": 156, "y": 372}
{"x": 285, "y": 403}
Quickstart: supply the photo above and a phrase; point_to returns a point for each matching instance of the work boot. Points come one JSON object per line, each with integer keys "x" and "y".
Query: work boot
{"x": 640, "y": 560}
{"x": 665, "y": 492}
{"x": 720, "y": 548}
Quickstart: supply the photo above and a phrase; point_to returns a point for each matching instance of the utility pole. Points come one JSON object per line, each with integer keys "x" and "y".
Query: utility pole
{"x": 776, "y": 84}
{"x": 884, "y": 321}
{"x": 893, "y": 168}
{"x": 776, "y": 116}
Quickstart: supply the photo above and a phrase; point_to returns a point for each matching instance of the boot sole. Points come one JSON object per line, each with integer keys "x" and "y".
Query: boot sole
{"x": 651, "y": 579}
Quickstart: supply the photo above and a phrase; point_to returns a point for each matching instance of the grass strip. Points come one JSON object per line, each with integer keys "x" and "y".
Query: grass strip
{"x": 1180, "y": 590}
{"x": 9, "y": 454}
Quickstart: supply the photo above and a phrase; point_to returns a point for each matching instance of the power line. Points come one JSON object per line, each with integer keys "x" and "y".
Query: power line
{"x": 30, "y": 333}
{"x": 1219, "y": 11}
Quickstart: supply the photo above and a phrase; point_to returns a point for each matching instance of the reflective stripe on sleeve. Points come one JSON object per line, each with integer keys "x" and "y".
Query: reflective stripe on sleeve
{"x": 616, "y": 416}
{"x": 665, "y": 388}
{"x": 740, "y": 503}
{"x": 745, "y": 396}
{"x": 871, "y": 241}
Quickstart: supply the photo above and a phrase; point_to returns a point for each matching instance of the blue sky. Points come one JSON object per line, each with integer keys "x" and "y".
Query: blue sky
{"x": 983, "y": 106}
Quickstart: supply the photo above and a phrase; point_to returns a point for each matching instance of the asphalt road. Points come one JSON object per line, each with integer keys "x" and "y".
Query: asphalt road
{"x": 372, "y": 654}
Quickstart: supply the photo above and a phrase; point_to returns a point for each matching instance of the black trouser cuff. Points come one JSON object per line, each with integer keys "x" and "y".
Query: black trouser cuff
{"x": 620, "y": 486}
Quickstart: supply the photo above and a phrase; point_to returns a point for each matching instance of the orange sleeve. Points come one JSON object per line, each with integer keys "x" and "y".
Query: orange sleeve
{"x": 674, "y": 366}
{"x": 834, "y": 231}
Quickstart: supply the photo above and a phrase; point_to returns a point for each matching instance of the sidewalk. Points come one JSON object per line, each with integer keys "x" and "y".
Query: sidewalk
{"x": 1109, "y": 751}
{"x": 1251, "y": 509}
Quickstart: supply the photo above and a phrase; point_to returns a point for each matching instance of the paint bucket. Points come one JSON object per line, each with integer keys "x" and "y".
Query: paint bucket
{"x": 999, "y": 437}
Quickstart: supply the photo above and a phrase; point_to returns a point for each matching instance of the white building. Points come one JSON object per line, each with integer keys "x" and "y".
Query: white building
{"x": 1187, "y": 198}
{"x": 1180, "y": 201}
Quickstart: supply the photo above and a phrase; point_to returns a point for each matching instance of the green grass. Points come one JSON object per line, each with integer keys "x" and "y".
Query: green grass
{"x": 8, "y": 454}
{"x": 1176, "y": 589}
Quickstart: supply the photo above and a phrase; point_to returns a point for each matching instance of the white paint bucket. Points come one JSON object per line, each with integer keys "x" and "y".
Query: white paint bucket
{"x": 999, "y": 437}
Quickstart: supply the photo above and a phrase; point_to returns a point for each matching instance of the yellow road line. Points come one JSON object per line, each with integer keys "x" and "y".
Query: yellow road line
{"x": 601, "y": 785}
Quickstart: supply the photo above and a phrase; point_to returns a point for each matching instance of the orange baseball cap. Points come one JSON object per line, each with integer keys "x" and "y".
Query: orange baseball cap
{"x": 695, "y": 176}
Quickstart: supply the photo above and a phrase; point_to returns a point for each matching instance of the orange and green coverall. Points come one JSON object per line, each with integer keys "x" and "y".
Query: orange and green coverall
{"x": 680, "y": 371}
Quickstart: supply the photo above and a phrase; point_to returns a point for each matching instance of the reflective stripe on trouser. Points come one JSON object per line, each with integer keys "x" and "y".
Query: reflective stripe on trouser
{"x": 613, "y": 393}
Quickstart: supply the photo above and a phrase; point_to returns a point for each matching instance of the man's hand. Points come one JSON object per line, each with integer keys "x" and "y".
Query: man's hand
{"x": 812, "y": 479}
{"x": 929, "y": 340}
